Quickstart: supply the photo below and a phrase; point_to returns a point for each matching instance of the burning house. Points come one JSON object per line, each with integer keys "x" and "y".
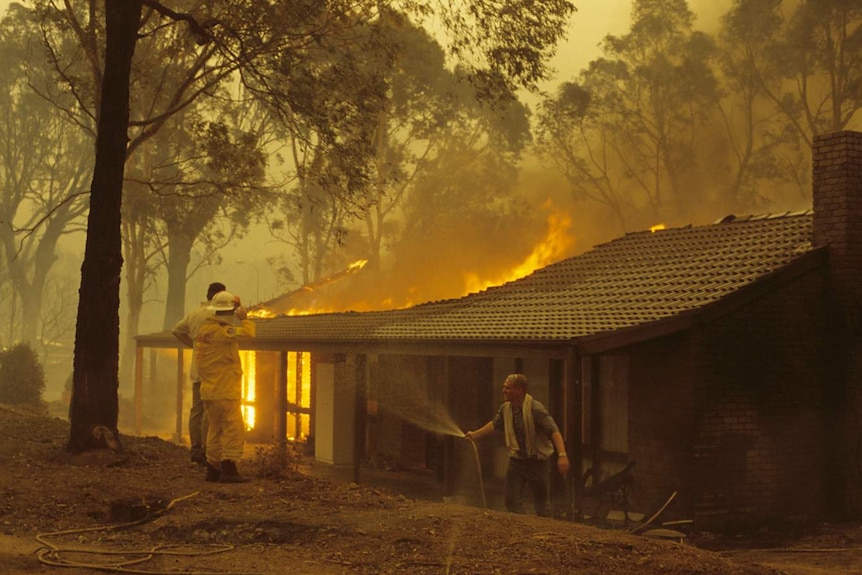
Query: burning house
{"x": 724, "y": 359}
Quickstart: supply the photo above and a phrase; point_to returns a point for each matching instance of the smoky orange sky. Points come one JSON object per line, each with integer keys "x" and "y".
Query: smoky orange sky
{"x": 595, "y": 19}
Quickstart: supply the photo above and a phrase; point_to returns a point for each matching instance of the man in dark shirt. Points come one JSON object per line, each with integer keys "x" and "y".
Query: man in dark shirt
{"x": 531, "y": 437}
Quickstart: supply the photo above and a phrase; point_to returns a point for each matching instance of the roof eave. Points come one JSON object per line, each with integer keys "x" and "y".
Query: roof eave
{"x": 608, "y": 341}
{"x": 396, "y": 346}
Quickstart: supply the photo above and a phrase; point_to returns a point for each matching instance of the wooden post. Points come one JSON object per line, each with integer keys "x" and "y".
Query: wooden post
{"x": 312, "y": 402}
{"x": 449, "y": 463}
{"x": 154, "y": 370}
{"x": 574, "y": 425}
{"x": 281, "y": 400}
{"x": 596, "y": 416}
{"x": 139, "y": 387}
{"x": 360, "y": 378}
{"x": 297, "y": 396}
{"x": 178, "y": 433}
{"x": 557, "y": 409}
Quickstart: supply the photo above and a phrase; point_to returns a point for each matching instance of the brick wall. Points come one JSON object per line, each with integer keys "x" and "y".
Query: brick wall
{"x": 729, "y": 415}
{"x": 661, "y": 424}
{"x": 758, "y": 451}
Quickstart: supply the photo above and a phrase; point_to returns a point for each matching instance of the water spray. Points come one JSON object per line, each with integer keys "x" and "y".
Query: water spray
{"x": 412, "y": 404}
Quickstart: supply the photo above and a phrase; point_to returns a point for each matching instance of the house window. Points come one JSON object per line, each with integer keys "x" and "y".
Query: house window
{"x": 298, "y": 394}
{"x": 605, "y": 407}
{"x": 614, "y": 403}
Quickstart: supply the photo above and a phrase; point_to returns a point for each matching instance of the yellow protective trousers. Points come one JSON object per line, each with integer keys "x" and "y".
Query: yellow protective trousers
{"x": 226, "y": 433}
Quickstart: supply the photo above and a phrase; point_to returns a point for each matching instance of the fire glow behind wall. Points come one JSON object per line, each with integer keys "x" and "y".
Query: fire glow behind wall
{"x": 248, "y": 387}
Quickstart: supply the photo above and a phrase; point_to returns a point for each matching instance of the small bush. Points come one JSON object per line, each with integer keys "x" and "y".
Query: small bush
{"x": 22, "y": 381}
{"x": 273, "y": 461}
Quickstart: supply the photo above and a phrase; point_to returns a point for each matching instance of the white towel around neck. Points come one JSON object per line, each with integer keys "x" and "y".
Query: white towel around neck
{"x": 529, "y": 428}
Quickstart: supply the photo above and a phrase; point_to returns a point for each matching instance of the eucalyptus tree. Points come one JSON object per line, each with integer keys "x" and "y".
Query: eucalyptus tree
{"x": 638, "y": 126}
{"x": 415, "y": 116}
{"x": 324, "y": 96}
{"x": 792, "y": 71}
{"x": 422, "y": 107}
{"x": 433, "y": 134}
{"x": 199, "y": 166}
{"x": 361, "y": 149}
{"x": 758, "y": 139}
{"x": 209, "y": 195}
{"x": 575, "y": 131}
{"x": 814, "y": 70}
{"x": 665, "y": 91}
{"x": 44, "y": 163}
{"x": 191, "y": 189}
{"x": 143, "y": 248}
{"x": 465, "y": 194}
{"x": 172, "y": 72}
{"x": 416, "y": 104}
{"x": 94, "y": 408}
{"x": 311, "y": 214}
{"x": 512, "y": 41}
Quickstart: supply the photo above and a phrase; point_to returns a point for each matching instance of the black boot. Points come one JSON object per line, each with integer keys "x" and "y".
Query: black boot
{"x": 213, "y": 473}
{"x": 229, "y": 473}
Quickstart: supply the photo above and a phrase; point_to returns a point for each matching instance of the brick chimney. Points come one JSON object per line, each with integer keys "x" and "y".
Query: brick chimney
{"x": 837, "y": 193}
{"x": 838, "y": 201}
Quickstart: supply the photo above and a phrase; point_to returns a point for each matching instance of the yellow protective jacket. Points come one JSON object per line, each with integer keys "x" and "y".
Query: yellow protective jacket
{"x": 217, "y": 354}
{"x": 185, "y": 331}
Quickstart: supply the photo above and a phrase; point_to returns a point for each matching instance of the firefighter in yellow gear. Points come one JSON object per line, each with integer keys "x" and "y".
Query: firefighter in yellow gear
{"x": 220, "y": 371}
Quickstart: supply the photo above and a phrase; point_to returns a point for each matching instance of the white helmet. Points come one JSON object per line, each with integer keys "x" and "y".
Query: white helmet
{"x": 223, "y": 301}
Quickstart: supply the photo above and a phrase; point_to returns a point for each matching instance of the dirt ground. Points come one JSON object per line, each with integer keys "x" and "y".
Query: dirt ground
{"x": 148, "y": 510}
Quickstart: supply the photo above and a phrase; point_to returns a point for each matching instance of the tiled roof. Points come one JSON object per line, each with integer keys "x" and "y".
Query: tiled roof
{"x": 635, "y": 280}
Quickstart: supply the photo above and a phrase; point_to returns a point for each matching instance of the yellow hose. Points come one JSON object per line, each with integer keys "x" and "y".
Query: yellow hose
{"x": 479, "y": 466}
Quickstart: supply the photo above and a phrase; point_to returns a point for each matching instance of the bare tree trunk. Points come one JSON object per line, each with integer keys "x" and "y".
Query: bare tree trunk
{"x": 135, "y": 272}
{"x": 94, "y": 409}
{"x": 127, "y": 360}
{"x": 179, "y": 256}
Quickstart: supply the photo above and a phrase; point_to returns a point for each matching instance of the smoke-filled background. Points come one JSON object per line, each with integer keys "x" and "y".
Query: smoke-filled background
{"x": 307, "y": 198}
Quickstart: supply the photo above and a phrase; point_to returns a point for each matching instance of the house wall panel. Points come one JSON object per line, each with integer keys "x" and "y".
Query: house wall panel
{"x": 335, "y": 411}
{"x": 661, "y": 424}
{"x": 400, "y": 391}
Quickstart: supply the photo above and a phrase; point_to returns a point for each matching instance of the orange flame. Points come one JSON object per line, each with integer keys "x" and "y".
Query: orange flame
{"x": 554, "y": 247}
{"x": 261, "y": 313}
{"x": 356, "y": 266}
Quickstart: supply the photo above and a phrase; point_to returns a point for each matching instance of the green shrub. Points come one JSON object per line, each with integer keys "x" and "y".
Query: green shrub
{"x": 22, "y": 380}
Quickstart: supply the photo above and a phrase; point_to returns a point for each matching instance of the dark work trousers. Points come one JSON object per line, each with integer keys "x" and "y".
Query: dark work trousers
{"x": 197, "y": 424}
{"x": 532, "y": 473}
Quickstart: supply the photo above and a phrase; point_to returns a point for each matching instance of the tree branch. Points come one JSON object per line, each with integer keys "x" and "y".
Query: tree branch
{"x": 200, "y": 30}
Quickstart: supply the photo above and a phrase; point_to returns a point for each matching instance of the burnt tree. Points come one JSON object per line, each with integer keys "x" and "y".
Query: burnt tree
{"x": 94, "y": 411}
